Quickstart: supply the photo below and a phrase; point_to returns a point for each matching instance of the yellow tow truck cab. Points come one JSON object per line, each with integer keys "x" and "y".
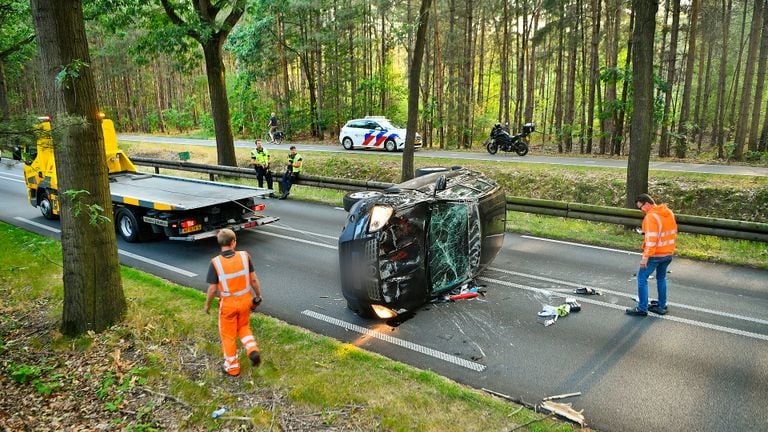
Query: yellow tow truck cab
{"x": 147, "y": 205}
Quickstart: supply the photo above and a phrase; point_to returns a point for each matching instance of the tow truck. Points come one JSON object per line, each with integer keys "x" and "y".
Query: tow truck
{"x": 146, "y": 206}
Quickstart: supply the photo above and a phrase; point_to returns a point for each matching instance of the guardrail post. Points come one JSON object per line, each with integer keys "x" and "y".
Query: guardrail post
{"x": 157, "y": 170}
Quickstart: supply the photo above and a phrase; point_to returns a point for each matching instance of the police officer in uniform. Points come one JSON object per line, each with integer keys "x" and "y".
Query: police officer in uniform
{"x": 261, "y": 159}
{"x": 292, "y": 171}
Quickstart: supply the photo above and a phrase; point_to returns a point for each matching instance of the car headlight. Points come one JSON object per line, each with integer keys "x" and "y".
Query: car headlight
{"x": 379, "y": 217}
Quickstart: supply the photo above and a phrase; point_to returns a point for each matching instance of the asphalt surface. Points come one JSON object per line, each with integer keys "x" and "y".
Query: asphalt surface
{"x": 702, "y": 367}
{"x": 500, "y": 157}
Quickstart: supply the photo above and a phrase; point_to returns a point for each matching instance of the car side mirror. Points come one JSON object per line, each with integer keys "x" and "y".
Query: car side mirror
{"x": 16, "y": 153}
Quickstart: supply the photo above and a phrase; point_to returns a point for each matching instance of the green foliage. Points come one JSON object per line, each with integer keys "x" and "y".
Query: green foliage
{"x": 95, "y": 212}
{"x": 38, "y": 376}
{"x": 70, "y": 73}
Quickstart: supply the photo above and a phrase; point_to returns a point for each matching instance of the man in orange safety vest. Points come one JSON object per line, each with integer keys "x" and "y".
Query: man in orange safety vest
{"x": 231, "y": 275}
{"x": 660, "y": 230}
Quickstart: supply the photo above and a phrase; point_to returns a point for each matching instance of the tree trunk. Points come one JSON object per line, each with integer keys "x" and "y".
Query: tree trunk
{"x": 746, "y": 91}
{"x": 681, "y": 147}
{"x": 531, "y": 57}
{"x": 641, "y": 129}
{"x": 671, "y": 60}
{"x": 761, "y": 67}
{"x": 286, "y": 105}
{"x": 594, "y": 71}
{"x": 618, "y": 137}
{"x": 719, "y": 127}
{"x": 559, "y": 81}
{"x": 570, "y": 87}
{"x": 735, "y": 85}
{"x": 413, "y": 89}
{"x": 217, "y": 90}
{"x": 93, "y": 291}
{"x": 5, "y": 111}
{"x": 612, "y": 51}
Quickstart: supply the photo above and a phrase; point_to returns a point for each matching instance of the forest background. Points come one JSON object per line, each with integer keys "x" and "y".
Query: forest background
{"x": 563, "y": 64}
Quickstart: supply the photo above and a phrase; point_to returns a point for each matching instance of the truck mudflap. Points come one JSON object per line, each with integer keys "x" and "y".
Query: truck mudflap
{"x": 262, "y": 220}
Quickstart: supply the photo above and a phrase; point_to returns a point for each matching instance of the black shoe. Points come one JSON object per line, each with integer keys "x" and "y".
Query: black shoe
{"x": 283, "y": 196}
{"x": 255, "y": 358}
{"x": 636, "y": 312}
{"x": 657, "y": 310}
{"x": 272, "y": 195}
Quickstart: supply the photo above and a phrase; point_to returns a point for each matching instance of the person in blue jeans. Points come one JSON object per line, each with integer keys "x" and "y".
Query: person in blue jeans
{"x": 660, "y": 231}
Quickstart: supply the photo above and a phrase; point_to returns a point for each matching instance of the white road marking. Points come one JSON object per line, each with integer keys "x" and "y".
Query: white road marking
{"x": 12, "y": 174}
{"x": 11, "y": 179}
{"x": 621, "y": 294}
{"x": 287, "y": 228}
{"x": 334, "y": 247}
{"x": 650, "y": 315}
{"x": 580, "y": 245}
{"x": 39, "y": 225}
{"x": 397, "y": 341}
{"x": 119, "y": 251}
{"x": 156, "y": 263}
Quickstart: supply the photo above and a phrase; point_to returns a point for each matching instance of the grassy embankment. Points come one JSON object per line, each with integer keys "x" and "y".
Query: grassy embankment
{"x": 159, "y": 368}
{"x": 731, "y": 197}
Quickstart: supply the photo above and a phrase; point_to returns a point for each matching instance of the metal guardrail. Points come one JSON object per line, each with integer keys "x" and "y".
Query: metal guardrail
{"x": 744, "y": 230}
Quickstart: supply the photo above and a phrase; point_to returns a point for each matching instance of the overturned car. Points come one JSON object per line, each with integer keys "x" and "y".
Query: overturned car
{"x": 418, "y": 239}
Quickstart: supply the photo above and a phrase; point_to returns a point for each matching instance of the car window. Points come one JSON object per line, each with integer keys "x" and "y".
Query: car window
{"x": 358, "y": 124}
{"x": 448, "y": 240}
{"x": 372, "y": 124}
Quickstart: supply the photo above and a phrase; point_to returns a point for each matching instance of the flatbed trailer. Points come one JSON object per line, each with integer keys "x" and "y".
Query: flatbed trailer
{"x": 150, "y": 205}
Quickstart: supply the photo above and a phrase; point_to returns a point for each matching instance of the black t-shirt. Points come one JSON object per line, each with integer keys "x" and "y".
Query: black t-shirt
{"x": 213, "y": 278}
{"x": 273, "y": 121}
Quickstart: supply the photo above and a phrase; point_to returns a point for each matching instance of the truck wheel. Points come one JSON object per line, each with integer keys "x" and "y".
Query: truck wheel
{"x": 353, "y": 197}
{"x": 130, "y": 228}
{"x": 46, "y": 207}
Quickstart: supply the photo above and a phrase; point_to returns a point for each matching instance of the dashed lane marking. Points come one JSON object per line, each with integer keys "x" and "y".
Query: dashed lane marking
{"x": 650, "y": 315}
{"x": 119, "y": 251}
{"x": 397, "y": 341}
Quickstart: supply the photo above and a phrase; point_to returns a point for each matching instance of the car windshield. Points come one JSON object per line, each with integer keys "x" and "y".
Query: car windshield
{"x": 386, "y": 124}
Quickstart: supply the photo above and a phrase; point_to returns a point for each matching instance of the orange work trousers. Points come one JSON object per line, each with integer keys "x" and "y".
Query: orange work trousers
{"x": 235, "y": 321}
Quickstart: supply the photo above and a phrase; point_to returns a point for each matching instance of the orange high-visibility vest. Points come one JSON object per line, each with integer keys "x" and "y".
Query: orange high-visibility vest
{"x": 234, "y": 276}
{"x": 660, "y": 232}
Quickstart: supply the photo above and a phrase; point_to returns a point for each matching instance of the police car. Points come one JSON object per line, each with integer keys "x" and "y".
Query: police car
{"x": 374, "y": 132}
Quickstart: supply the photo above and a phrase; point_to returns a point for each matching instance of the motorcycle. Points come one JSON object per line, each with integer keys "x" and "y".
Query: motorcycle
{"x": 500, "y": 139}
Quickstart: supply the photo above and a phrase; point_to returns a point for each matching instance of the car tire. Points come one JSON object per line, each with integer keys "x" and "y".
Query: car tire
{"x": 46, "y": 206}
{"x": 390, "y": 145}
{"x": 429, "y": 170}
{"x": 130, "y": 227}
{"x": 347, "y": 143}
{"x": 352, "y": 198}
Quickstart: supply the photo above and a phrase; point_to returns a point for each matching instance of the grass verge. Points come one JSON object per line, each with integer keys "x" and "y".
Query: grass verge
{"x": 699, "y": 194}
{"x": 159, "y": 368}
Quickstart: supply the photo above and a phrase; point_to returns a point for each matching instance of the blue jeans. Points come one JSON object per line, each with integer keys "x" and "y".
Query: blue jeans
{"x": 659, "y": 265}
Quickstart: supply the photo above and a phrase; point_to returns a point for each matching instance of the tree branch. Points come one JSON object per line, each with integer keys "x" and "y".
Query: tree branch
{"x": 17, "y": 46}
{"x": 234, "y": 16}
{"x": 176, "y": 19}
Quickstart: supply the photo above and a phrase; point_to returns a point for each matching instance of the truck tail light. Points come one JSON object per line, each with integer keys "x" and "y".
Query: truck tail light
{"x": 258, "y": 207}
{"x": 188, "y": 223}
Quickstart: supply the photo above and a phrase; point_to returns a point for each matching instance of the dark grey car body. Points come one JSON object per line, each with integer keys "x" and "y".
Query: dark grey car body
{"x": 433, "y": 242}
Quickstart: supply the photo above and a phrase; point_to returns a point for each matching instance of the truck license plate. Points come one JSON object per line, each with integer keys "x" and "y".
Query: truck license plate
{"x": 191, "y": 229}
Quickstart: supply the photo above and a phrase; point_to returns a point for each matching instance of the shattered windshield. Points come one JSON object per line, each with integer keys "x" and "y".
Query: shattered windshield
{"x": 448, "y": 245}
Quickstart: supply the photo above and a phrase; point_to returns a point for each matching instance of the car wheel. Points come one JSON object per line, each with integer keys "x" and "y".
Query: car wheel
{"x": 390, "y": 145}
{"x": 492, "y": 147}
{"x": 46, "y": 206}
{"x": 347, "y": 143}
{"x": 352, "y": 198}
{"x": 130, "y": 228}
{"x": 429, "y": 170}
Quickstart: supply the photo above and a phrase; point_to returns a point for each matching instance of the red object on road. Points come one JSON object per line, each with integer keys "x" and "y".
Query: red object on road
{"x": 466, "y": 295}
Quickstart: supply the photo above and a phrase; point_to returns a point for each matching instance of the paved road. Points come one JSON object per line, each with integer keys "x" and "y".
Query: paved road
{"x": 506, "y": 157}
{"x": 703, "y": 367}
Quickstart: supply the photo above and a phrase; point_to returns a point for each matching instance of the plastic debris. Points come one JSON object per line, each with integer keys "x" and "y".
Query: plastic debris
{"x": 563, "y": 310}
{"x": 565, "y": 411}
{"x": 575, "y": 306}
{"x": 587, "y": 291}
{"x": 219, "y": 412}
{"x": 465, "y": 295}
